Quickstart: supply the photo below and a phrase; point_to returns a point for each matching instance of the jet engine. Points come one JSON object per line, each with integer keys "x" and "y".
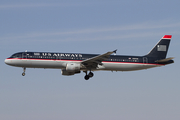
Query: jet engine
{"x": 71, "y": 69}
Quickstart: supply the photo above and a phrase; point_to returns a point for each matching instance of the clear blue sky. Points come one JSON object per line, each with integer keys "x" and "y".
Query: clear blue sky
{"x": 89, "y": 26}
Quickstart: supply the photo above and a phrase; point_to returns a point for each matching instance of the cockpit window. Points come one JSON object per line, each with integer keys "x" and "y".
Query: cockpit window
{"x": 16, "y": 56}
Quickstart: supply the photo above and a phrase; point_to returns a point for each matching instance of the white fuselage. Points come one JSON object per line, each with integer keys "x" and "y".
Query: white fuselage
{"x": 61, "y": 64}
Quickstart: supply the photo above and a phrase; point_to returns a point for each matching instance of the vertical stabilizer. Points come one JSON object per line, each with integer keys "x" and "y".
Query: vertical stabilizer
{"x": 161, "y": 48}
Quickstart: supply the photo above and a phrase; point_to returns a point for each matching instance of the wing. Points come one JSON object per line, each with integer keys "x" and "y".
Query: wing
{"x": 97, "y": 60}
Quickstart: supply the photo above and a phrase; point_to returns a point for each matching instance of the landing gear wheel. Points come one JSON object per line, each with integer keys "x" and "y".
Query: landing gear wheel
{"x": 23, "y": 74}
{"x": 86, "y": 77}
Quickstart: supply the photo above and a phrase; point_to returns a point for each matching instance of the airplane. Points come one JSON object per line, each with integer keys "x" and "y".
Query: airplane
{"x": 74, "y": 63}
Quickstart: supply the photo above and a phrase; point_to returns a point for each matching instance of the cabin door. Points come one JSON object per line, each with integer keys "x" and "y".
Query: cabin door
{"x": 24, "y": 55}
{"x": 145, "y": 60}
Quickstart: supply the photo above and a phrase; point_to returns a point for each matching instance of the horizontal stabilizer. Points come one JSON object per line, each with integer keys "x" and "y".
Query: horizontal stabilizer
{"x": 165, "y": 60}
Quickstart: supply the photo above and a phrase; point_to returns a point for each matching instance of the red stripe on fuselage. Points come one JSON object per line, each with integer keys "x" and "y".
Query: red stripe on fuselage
{"x": 132, "y": 63}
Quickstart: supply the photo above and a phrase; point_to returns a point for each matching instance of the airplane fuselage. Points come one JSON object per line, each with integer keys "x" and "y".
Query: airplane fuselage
{"x": 60, "y": 60}
{"x": 73, "y": 63}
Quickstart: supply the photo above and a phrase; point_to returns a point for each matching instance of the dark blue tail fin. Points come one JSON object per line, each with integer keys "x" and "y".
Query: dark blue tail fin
{"x": 161, "y": 49}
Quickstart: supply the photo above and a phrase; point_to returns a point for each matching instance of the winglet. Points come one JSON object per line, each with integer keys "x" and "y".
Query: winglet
{"x": 115, "y": 51}
{"x": 167, "y": 37}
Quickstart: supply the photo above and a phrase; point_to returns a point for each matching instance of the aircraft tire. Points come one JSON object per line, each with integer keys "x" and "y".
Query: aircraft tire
{"x": 23, "y": 74}
{"x": 86, "y": 77}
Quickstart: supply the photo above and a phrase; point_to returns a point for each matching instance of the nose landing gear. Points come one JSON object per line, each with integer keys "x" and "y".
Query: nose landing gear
{"x": 24, "y": 70}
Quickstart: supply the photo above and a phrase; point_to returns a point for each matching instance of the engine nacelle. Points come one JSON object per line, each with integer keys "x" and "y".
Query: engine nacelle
{"x": 73, "y": 67}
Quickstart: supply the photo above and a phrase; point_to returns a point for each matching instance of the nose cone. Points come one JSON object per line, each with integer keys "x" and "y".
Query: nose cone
{"x": 7, "y": 61}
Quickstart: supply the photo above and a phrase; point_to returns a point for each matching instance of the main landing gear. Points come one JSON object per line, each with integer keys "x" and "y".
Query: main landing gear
{"x": 87, "y": 76}
{"x": 24, "y": 70}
